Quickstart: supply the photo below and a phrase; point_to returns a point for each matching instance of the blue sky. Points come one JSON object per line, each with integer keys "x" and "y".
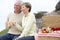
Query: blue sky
{"x": 6, "y": 6}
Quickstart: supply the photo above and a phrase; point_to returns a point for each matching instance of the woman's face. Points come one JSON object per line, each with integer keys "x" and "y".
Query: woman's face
{"x": 24, "y": 9}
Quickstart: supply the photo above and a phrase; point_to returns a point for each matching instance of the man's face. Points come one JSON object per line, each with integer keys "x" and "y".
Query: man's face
{"x": 17, "y": 7}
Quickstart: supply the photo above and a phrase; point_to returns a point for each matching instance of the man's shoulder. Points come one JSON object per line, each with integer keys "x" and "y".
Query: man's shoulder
{"x": 10, "y": 14}
{"x": 21, "y": 13}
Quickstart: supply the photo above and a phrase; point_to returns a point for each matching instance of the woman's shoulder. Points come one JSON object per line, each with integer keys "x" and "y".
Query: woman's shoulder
{"x": 31, "y": 14}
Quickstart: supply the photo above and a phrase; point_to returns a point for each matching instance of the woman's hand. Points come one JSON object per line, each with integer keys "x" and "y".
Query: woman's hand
{"x": 17, "y": 38}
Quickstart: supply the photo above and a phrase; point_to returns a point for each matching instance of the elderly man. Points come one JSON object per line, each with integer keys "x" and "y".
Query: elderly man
{"x": 13, "y": 23}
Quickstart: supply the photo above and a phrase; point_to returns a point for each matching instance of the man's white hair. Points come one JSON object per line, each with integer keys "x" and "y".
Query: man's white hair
{"x": 19, "y": 1}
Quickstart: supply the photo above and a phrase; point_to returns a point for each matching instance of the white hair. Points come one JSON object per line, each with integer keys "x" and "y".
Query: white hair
{"x": 19, "y": 1}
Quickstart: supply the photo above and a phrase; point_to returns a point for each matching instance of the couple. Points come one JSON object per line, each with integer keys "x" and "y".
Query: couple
{"x": 22, "y": 26}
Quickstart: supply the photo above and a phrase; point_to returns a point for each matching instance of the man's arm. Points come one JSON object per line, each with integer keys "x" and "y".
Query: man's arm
{"x": 7, "y": 23}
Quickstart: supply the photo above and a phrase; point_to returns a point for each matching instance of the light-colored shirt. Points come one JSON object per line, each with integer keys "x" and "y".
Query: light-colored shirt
{"x": 18, "y": 27}
{"x": 28, "y": 25}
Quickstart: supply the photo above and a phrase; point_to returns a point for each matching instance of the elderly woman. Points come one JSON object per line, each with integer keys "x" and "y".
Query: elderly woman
{"x": 28, "y": 23}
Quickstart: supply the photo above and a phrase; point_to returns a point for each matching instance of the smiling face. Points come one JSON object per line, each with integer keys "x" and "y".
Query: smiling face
{"x": 17, "y": 7}
{"x": 24, "y": 9}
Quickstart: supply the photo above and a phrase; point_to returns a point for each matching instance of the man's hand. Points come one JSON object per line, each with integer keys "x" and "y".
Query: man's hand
{"x": 13, "y": 23}
{"x": 8, "y": 25}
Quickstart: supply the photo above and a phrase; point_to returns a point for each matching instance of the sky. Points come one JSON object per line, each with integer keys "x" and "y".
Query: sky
{"x": 6, "y": 7}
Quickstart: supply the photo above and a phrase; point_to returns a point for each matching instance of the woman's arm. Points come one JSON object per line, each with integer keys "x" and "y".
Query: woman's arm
{"x": 19, "y": 27}
{"x": 28, "y": 26}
